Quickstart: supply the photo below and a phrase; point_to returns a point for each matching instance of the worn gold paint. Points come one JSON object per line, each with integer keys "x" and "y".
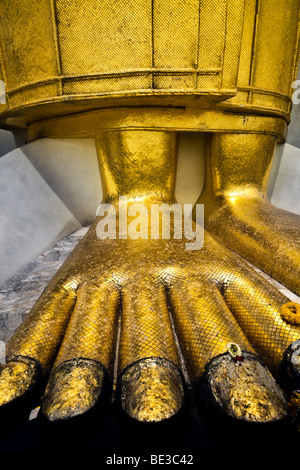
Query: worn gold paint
{"x": 132, "y": 74}
{"x": 72, "y": 389}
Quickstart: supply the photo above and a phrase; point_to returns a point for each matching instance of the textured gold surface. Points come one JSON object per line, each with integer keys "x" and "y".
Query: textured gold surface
{"x": 290, "y": 312}
{"x": 43, "y": 331}
{"x": 93, "y": 54}
{"x": 294, "y": 405}
{"x": 95, "y": 337}
{"x": 93, "y": 51}
{"x": 265, "y": 72}
{"x": 246, "y": 391}
{"x": 16, "y": 377}
{"x": 88, "y": 125}
{"x": 151, "y": 390}
{"x": 144, "y": 311}
{"x": 209, "y": 297}
{"x": 204, "y": 327}
{"x": 72, "y": 390}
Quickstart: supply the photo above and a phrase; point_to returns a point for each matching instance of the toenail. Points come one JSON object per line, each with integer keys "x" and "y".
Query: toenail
{"x": 290, "y": 312}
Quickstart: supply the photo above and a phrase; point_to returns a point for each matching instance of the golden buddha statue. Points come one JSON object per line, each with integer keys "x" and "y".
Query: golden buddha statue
{"x": 146, "y": 310}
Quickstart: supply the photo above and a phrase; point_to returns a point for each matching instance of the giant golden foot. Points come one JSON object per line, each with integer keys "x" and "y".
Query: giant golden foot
{"x": 145, "y": 309}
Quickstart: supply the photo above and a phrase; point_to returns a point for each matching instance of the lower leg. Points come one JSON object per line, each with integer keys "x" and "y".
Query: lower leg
{"x": 237, "y": 210}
